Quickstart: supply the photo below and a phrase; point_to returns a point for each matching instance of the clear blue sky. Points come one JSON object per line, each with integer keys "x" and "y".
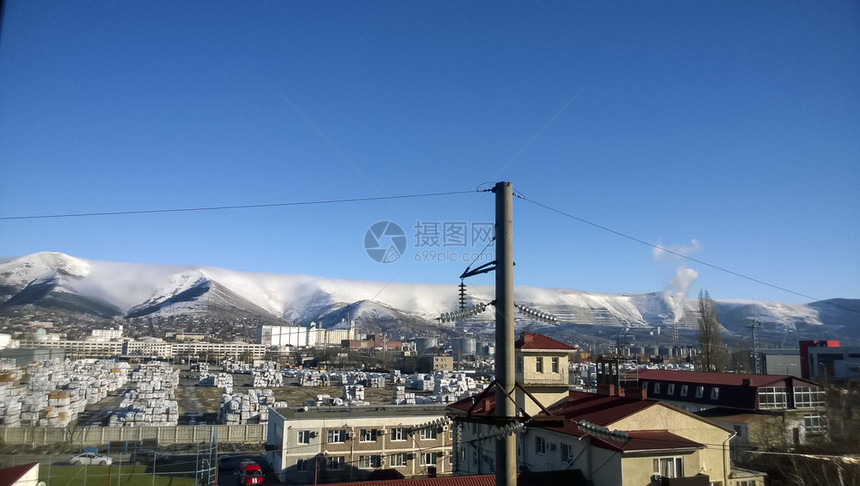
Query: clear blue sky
{"x": 734, "y": 124}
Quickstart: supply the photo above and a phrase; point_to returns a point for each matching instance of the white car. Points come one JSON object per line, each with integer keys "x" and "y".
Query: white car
{"x": 91, "y": 459}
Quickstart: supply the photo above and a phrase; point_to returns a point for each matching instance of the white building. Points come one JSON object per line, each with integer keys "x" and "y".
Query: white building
{"x": 304, "y": 337}
{"x": 107, "y": 334}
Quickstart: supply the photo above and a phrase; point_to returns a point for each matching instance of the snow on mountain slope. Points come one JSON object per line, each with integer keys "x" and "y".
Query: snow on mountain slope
{"x": 133, "y": 289}
{"x": 22, "y": 271}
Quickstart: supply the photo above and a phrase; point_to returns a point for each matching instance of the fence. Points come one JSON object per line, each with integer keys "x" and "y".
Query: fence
{"x": 94, "y": 436}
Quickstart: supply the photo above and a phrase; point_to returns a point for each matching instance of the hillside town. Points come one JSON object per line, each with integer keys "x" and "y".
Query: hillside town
{"x": 314, "y": 406}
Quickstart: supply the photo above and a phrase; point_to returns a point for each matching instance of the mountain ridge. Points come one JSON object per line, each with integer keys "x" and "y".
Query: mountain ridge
{"x": 129, "y": 290}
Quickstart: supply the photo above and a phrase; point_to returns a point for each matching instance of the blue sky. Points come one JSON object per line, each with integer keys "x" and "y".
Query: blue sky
{"x": 730, "y": 128}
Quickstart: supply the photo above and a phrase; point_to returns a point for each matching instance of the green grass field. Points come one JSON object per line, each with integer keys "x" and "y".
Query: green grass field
{"x": 98, "y": 476}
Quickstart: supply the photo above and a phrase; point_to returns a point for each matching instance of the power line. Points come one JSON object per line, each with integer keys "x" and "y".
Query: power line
{"x": 686, "y": 257}
{"x": 238, "y": 206}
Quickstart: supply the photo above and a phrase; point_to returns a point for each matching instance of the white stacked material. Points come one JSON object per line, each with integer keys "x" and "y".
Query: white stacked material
{"x": 396, "y": 377}
{"x": 248, "y": 408}
{"x": 56, "y": 391}
{"x": 265, "y": 365}
{"x": 151, "y": 402}
{"x": 355, "y": 378}
{"x": 420, "y": 382}
{"x": 204, "y": 374}
{"x": 221, "y": 380}
{"x": 375, "y": 382}
{"x": 313, "y": 378}
{"x": 268, "y": 378}
{"x": 401, "y": 397}
{"x": 231, "y": 366}
{"x": 354, "y": 395}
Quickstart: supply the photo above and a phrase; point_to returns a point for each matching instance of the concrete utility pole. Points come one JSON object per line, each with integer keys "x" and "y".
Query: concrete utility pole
{"x": 756, "y": 359}
{"x": 506, "y": 448}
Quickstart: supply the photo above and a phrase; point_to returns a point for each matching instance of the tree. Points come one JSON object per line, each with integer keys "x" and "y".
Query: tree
{"x": 712, "y": 357}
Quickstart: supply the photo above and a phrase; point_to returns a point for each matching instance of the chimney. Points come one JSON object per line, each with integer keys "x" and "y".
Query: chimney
{"x": 606, "y": 390}
{"x": 528, "y": 337}
{"x": 635, "y": 393}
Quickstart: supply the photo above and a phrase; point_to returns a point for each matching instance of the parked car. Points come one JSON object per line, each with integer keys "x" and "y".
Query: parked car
{"x": 250, "y": 473}
{"x": 226, "y": 463}
{"x": 146, "y": 457}
{"x": 90, "y": 459}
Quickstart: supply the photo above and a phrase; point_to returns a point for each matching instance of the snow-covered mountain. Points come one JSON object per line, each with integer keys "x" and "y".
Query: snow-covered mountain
{"x": 129, "y": 290}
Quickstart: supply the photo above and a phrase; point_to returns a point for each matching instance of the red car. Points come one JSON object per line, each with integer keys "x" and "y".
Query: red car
{"x": 250, "y": 473}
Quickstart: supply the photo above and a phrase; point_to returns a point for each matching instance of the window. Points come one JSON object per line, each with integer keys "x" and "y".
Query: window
{"x": 645, "y": 385}
{"x": 428, "y": 458}
{"x": 814, "y": 423}
{"x": 808, "y": 396}
{"x": 304, "y": 437}
{"x": 700, "y": 391}
{"x": 302, "y": 465}
{"x": 683, "y": 390}
{"x": 336, "y": 436}
{"x": 555, "y": 366}
{"x": 566, "y": 452}
{"x": 398, "y": 435}
{"x": 671, "y": 389}
{"x": 520, "y": 365}
{"x": 669, "y": 467}
{"x": 428, "y": 434}
{"x": 369, "y": 462}
{"x": 334, "y": 463}
{"x": 656, "y": 388}
{"x": 772, "y": 397}
{"x": 367, "y": 435}
{"x": 398, "y": 460}
{"x": 539, "y": 364}
{"x": 540, "y": 445}
{"x": 715, "y": 393}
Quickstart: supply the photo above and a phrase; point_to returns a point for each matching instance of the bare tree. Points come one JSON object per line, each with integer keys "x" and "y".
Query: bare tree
{"x": 712, "y": 357}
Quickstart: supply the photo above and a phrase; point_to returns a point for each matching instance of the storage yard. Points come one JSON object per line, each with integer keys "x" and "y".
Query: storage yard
{"x": 68, "y": 394}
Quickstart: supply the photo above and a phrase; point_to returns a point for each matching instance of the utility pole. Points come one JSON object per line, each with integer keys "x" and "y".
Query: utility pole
{"x": 506, "y": 451}
{"x": 755, "y": 356}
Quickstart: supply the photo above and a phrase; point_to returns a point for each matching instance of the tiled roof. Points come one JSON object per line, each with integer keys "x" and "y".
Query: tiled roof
{"x": 487, "y": 406}
{"x": 9, "y": 475}
{"x": 648, "y": 440}
{"x": 599, "y": 409}
{"x": 531, "y": 340}
{"x": 705, "y": 378}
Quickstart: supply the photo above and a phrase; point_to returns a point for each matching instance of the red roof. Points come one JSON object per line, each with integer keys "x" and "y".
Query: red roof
{"x": 648, "y": 440}
{"x": 599, "y": 409}
{"x": 487, "y": 405}
{"x": 480, "y": 480}
{"x": 531, "y": 340}
{"x": 706, "y": 378}
{"x": 9, "y": 475}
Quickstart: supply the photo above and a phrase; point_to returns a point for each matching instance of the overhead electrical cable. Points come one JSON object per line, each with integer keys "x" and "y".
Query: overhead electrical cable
{"x": 238, "y": 206}
{"x": 686, "y": 257}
